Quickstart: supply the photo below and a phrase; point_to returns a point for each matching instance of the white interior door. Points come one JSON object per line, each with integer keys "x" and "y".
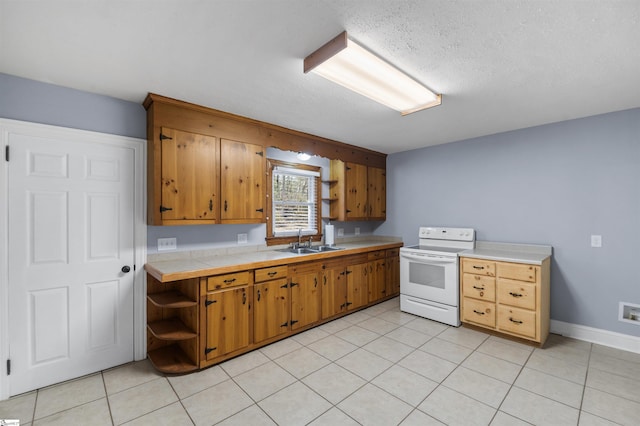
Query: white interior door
{"x": 71, "y": 240}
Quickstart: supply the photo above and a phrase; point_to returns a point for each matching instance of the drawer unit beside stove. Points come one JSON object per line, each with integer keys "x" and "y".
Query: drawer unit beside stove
{"x": 507, "y": 297}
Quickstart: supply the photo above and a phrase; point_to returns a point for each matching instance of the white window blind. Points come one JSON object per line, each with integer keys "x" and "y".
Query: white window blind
{"x": 294, "y": 197}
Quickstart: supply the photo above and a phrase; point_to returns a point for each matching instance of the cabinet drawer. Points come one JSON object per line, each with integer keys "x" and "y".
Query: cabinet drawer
{"x": 393, "y": 252}
{"x": 373, "y": 255}
{"x": 479, "y": 266}
{"x": 518, "y": 271}
{"x": 517, "y": 293}
{"x": 228, "y": 280}
{"x": 273, "y": 273}
{"x": 517, "y": 321}
{"x": 479, "y": 312}
{"x": 479, "y": 287}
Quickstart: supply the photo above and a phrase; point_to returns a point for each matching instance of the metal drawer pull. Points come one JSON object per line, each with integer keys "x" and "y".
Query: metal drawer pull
{"x": 272, "y": 273}
{"x": 478, "y": 267}
{"x": 478, "y": 288}
{"x": 515, "y": 294}
{"x": 478, "y": 312}
{"x": 229, "y": 281}
{"x": 515, "y": 321}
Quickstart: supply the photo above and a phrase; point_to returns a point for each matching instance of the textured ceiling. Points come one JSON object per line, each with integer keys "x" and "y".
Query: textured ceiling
{"x": 500, "y": 65}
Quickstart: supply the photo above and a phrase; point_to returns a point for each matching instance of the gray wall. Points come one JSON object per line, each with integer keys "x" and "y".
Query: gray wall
{"x": 555, "y": 184}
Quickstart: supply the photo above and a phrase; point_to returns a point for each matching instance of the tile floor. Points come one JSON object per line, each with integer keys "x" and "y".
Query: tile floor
{"x": 379, "y": 366}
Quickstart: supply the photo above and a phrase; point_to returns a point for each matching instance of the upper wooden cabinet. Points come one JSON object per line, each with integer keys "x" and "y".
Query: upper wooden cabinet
{"x": 377, "y": 193}
{"x": 189, "y": 177}
{"x": 242, "y": 182}
{"x": 357, "y": 192}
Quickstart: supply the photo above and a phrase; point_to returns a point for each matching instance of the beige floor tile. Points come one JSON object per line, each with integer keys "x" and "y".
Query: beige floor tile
{"x": 625, "y": 387}
{"x": 574, "y": 372}
{"x": 615, "y": 365}
{"x": 357, "y": 317}
{"x": 454, "y": 408}
{"x": 333, "y": 382}
{"x": 493, "y": 367}
{"x": 370, "y": 405}
{"x": 140, "y": 400}
{"x": 389, "y": 349}
{"x": 610, "y": 407}
{"x": 537, "y": 409}
{"x": 335, "y": 326}
{"x": 425, "y": 326}
{"x": 307, "y": 337}
{"x": 404, "y": 384}
{"x": 334, "y": 417}
{"x": 357, "y": 335}
{"x": 264, "y": 380}
{"x": 566, "y": 349}
{"x": 20, "y": 407}
{"x": 446, "y": 350}
{"x": 217, "y": 403}
{"x": 551, "y": 387}
{"x": 418, "y": 418}
{"x": 509, "y": 352}
{"x": 189, "y": 384}
{"x": 396, "y": 317}
{"x": 587, "y": 419}
{"x": 377, "y": 325}
{"x": 307, "y": 405}
{"x": 242, "y": 363}
{"x": 483, "y": 388}
{"x": 252, "y": 416}
{"x": 69, "y": 394}
{"x": 332, "y": 347}
{"x": 464, "y": 337}
{"x": 283, "y": 347}
{"x": 129, "y": 375}
{"x": 364, "y": 364}
{"x": 429, "y": 366}
{"x": 376, "y": 310}
{"x": 95, "y": 413}
{"x": 171, "y": 415}
{"x": 615, "y": 353}
{"x": 409, "y": 336}
{"x": 504, "y": 419}
{"x": 302, "y": 362}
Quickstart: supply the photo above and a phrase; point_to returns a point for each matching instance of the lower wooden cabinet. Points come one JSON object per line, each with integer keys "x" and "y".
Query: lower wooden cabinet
{"x": 194, "y": 323}
{"x": 508, "y": 297}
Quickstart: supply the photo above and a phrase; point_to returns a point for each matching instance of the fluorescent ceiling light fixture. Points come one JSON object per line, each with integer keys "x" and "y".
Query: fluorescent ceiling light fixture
{"x": 343, "y": 61}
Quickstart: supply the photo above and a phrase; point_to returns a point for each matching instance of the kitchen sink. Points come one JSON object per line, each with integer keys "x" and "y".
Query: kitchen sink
{"x": 310, "y": 250}
{"x": 318, "y": 249}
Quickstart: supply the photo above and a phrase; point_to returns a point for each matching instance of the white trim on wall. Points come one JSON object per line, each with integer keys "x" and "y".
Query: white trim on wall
{"x": 595, "y": 335}
{"x": 139, "y": 146}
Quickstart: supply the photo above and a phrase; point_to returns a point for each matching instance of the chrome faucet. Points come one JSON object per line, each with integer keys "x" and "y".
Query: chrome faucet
{"x": 299, "y": 237}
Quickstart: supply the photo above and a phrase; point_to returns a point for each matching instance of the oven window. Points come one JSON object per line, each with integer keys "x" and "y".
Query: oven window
{"x": 427, "y": 275}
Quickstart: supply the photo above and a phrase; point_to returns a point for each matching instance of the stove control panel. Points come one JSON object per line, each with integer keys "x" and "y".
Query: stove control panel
{"x": 452, "y": 234}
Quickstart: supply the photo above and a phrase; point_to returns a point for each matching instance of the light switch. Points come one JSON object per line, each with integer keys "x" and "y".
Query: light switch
{"x": 596, "y": 241}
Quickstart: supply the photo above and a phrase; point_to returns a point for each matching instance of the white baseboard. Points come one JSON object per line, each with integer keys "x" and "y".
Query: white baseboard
{"x": 595, "y": 335}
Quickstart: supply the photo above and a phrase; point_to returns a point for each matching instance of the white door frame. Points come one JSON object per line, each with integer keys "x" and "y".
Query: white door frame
{"x": 139, "y": 147}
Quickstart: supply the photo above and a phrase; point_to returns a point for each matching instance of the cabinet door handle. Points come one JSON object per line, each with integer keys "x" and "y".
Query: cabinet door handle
{"x": 315, "y": 281}
{"x": 258, "y": 295}
{"x": 325, "y": 279}
{"x": 229, "y": 281}
{"x": 244, "y": 298}
{"x": 478, "y": 288}
{"x": 515, "y": 294}
{"x": 225, "y": 205}
{"x": 478, "y": 312}
{"x": 515, "y": 321}
{"x": 478, "y": 267}
{"x": 210, "y": 205}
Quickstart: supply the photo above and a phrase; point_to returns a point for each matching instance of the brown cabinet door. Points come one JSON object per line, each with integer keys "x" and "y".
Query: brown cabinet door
{"x": 189, "y": 177}
{"x": 242, "y": 182}
{"x": 393, "y": 276}
{"x": 377, "y": 277}
{"x": 356, "y": 191}
{"x": 271, "y": 309}
{"x": 334, "y": 292}
{"x": 357, "y": 285}
{"x": 306, "y": 306}
{"x": 377, "y": 193}
{"x": 227, "y": 321}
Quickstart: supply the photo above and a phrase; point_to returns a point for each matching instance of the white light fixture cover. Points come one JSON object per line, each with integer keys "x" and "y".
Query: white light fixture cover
{"x": 346, "y": 63}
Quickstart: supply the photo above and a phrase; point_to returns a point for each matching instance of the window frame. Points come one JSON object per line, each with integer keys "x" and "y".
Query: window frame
{"x": 273, "y": 240}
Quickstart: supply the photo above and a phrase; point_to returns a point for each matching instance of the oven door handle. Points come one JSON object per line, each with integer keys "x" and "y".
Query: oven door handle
{"x": 427, "y": 259}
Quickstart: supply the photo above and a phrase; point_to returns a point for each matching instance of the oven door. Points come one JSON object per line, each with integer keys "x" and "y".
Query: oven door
{"x": 429, "y": 277}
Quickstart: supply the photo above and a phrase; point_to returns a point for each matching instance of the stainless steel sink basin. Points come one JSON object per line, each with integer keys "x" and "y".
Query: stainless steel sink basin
{"x": 310, "y": 250}
{"x": 325, "y": 248}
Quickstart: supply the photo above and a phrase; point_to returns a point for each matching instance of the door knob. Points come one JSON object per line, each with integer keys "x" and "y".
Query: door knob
{"x": 126, "y": 269}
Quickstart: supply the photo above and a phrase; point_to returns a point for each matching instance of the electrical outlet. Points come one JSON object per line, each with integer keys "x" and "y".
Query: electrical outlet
{"x": 340, "y": 232}
{"x": 242, "y": 239}
{"x": 596, "y": 241}
{"x": 357, "y": 231}
{"x": 165, "y": 244}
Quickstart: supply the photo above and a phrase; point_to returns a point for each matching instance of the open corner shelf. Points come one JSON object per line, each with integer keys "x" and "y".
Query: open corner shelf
{"x": 171, "y": 359}
{"x": 171, "y": 329}
{"x": 171, "y": 299}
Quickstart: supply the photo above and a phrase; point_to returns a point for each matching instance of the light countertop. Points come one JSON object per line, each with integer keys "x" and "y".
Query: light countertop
{"x": 507, "y": 252}
{"x": 198, "y": 264}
